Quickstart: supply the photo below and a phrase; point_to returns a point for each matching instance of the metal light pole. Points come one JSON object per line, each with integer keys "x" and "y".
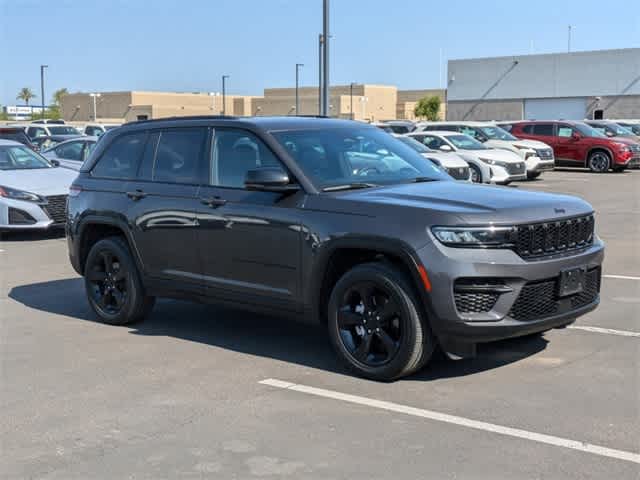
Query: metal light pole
{"x": 224, "y": 94}
{"x": 325, "y": 58}
{"x": 95, "y": 109}
{"x": 42, "y": 67}
{"x": 351, "y": 85}
{"x": 320, "y": 77}
{"x": 298, "y": 65}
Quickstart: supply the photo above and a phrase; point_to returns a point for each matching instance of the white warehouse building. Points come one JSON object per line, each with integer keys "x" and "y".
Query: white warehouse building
{"x": 576, "y": 85}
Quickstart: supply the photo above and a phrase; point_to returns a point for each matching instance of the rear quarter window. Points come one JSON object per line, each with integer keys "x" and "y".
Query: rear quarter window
{"x": 121, "y": 158}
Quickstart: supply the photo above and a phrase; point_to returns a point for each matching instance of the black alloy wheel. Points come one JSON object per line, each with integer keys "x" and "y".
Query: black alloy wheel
{"x": 113, "y": 285}
{"x": 377, "y": 324}
{"x": 370, "y": 324}
{"x": 107, "y": 277}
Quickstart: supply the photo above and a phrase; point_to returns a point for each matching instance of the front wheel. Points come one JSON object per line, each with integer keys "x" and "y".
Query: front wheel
{"x": 113, "y": 285}
{"x": 599, "y": 162}
{"x": 533, "y": 175}
{"x": 476, "y": 174}
{"x": 375, "y": 325}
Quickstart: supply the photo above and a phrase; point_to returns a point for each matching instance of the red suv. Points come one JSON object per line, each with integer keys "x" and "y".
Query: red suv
{"x": 576, "y": 144}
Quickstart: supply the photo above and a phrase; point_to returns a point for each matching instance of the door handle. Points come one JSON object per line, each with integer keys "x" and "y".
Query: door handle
{"x": 213, "y": 202}
{"x": 137, "y": 195}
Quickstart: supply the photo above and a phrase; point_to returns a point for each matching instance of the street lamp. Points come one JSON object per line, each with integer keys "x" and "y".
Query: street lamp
{"x": 325, "y": 58}
{"x": 351, "y": 85}
{"x": 95, "y": 110}
{"x": 298, "y": 65}
{"x": 224, "y": 94}
{"x": 42, "y": 67}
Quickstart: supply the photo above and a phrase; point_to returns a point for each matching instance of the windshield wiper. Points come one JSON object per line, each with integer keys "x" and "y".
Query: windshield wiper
{"x": 348, "y": 186}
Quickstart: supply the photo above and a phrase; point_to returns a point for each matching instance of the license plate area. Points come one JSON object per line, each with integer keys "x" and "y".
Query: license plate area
{"x": 572, "y": 281}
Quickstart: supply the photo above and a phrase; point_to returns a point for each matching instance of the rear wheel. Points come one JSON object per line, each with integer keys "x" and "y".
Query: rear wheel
{"x": 476, "y": 174}
{"x": 375, "y": 325}
{"x": 113, "y": 285}
{"x": 599, "y": 162}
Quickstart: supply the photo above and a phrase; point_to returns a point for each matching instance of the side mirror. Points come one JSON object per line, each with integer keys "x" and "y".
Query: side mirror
{"x": 609, "y": 133}
{"x": 269, "y": 179}
{"x": 445, "y": 148}
{"x": 55, "y": 163}
{"x": 575, "y": 136}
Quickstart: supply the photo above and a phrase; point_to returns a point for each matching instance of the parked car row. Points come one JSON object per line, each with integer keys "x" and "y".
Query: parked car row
{"x": 600, "y": 145}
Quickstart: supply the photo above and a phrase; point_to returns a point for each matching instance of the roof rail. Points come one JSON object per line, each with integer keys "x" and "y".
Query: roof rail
{"x": 191, "y": 117}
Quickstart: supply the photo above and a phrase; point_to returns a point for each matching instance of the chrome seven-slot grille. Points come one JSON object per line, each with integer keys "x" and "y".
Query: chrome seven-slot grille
{"x": 547, "y": 238}
{"x": 56, "y": 208}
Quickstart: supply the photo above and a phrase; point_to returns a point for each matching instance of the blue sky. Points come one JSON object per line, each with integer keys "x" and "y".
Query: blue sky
{"x": 186, "y": 45}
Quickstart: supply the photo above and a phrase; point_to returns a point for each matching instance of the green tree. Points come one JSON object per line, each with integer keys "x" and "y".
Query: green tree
{"x": 26, "y": 95}
{"x": 428, "y": 107}
{"x": 58, "y": 94}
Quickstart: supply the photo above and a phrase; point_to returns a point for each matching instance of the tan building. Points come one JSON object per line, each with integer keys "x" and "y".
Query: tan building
{"x": 130, "y": 106}
{"x": 358, "y": 101}
{"x": 408, "y": 99}
{"x": 369, "y": 102}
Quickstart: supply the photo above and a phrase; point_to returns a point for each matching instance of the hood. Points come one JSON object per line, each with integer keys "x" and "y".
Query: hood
{"x": 533, "y": 144}
{"x": 627, "y": 140}
{"x": 492, "y": 154}
{"x": 447, "y": 160}
{"x": 459, "y": 203}
{"x": 42, "y": 181}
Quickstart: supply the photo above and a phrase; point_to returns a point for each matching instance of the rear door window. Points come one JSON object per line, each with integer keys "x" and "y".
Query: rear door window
{"x": 121, "y": 159}
{"x": 543, "y": 129}
{"x": 70, "y": 151}
{"x": 180, "y": 156}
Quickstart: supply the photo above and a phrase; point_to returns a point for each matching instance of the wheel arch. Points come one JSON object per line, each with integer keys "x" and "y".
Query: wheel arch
{"x": 599, "y": 148}
{"x": 343, "y": 254}
{"x": 95, "y": 228}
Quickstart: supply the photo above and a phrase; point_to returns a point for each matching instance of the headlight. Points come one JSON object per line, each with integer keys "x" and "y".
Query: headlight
{"x": 14, "y": 194}
{"x": 475, "y": 237}
{"x": 493, "y": 162}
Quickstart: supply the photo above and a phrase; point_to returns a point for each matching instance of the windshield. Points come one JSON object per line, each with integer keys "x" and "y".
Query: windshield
{"x": 63, "y": 130}
{"x": 416, "y": 145}
{"x": 588, "y": 131}
{"x": 619, "y": 130}
{"x": 634, "y": 128}
{"x": 465, "y": 142}
{"x": 342, "y": 156}
{"x": 497, "y": 133}
{"x": 17, "y": 157}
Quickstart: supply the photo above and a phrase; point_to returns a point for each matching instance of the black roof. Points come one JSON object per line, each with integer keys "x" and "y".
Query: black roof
{"x": 265, "y": 123}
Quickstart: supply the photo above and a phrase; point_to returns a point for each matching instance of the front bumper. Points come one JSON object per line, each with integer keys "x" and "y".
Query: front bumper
{"x": 446, "y": 265}
{"x": 536, "y": 165}
{"x": 500, "y": 174}
{"x": 39, "y": 220}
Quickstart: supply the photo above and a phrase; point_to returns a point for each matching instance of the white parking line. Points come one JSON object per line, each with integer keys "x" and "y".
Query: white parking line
{"x": 455, "y": 420}
{"x": 621, "y": 277}
{"x": 609, "y": 331}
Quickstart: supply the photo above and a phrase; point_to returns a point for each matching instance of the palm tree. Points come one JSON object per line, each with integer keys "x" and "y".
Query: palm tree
{"x": 58, "y": 94}
{"x": 26, "y": 95}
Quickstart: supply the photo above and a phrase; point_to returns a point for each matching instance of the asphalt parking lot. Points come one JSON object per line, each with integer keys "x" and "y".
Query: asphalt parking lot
{"x": 201, "y": 392}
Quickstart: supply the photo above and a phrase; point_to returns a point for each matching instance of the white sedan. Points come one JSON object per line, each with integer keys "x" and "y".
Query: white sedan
{"x": 33, "y": 191}
{"x": 487, "y": 164}
{"x": 454, "y": 165}
{"x": 72, "y": 153}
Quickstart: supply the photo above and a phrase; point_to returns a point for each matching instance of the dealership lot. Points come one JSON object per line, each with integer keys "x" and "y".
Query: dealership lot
{"x": 201, "y": 392}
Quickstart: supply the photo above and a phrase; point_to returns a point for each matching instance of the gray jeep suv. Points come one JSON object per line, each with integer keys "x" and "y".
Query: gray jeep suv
{"x": 331, "y": 222}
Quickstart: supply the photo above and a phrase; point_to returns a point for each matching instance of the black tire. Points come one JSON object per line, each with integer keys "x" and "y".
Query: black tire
{"x": 406, "y": 332}
{"x": 533, "y": 175}
{"x": 619, "y": 169}
{"x": 599, "y": 161}
{"x": 112, "y": 283}
{"x": 476, "y": 174}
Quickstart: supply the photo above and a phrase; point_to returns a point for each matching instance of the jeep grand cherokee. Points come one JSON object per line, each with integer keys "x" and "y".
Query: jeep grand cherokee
{"x": 332, "y": 222}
